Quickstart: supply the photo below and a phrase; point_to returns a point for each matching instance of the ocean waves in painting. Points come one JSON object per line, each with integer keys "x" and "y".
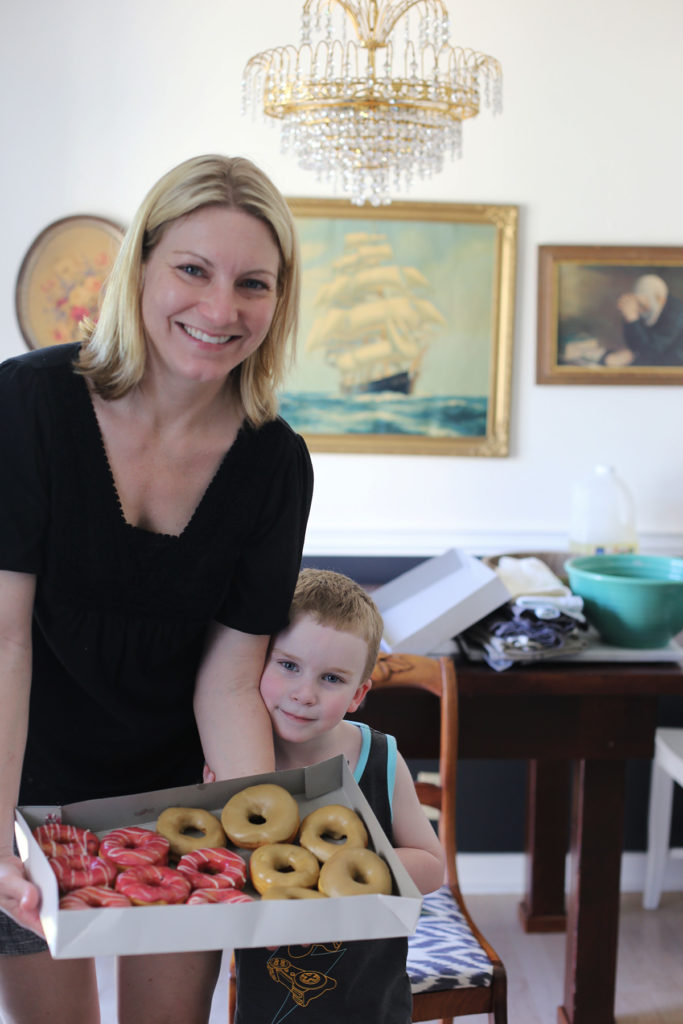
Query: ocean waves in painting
{"x": 385, "y": 413}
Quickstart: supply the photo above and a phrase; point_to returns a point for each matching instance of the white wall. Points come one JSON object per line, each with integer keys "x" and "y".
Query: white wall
{"x": 100, "y": 99}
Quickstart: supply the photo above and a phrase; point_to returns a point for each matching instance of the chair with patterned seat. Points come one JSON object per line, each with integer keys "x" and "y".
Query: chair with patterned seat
{"x": 453, "y": 970}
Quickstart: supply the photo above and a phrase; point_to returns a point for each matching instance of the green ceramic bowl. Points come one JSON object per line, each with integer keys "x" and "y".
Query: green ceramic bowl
{"x": 632, "y": 600}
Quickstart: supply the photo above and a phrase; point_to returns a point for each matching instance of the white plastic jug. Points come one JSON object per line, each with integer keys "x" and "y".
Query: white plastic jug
{"x": 602, "y": 515}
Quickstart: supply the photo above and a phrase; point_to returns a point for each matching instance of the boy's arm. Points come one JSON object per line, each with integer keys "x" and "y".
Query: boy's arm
{"x": 417, "y": 844}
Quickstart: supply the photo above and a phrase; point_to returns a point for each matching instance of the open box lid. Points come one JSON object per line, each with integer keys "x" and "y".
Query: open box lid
{"x": 436, "y": 601}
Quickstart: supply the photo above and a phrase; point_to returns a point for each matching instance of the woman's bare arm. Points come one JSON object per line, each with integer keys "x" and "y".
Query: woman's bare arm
{"x": 233, "y": 723}
{"x": 17, "y": 896}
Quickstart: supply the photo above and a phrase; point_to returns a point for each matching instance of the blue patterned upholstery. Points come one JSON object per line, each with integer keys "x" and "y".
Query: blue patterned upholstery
{"x": 443, "y": 953}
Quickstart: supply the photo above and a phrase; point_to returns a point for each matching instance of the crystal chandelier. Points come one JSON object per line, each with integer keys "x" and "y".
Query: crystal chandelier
{"x": 365, "y": 103}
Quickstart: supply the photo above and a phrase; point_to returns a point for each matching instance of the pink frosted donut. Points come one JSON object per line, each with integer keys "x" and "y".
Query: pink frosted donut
{"x": 219, "y": 896}
{"x": 77, "y": 870}
{"x": 93, "y": 896}
{"x": 56, "y": 840}
{"x": 150, "y": 884}
{"x": 213, "y": 869}
{"x": 134, "y": 847}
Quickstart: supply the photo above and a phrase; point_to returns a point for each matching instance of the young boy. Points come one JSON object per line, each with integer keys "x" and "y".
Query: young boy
{"x": 319, "y": 668}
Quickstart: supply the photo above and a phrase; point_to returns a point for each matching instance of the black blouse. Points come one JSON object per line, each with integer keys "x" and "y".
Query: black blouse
{"x": 121, "y": 612}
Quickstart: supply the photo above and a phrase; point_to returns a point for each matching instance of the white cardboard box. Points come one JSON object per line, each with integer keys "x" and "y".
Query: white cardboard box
{"x": 166, "y": 929}
{"x": 436, "y": 601}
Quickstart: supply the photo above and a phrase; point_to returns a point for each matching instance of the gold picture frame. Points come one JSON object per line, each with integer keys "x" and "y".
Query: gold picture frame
{"x": 604, "y": 317}
{"x": 61, "y": 277}
{"x": 406, "y": 331}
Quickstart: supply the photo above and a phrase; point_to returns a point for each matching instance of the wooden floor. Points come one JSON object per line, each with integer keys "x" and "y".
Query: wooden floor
{"x": 649, "y": 975}
{"x": 649, "y": 970}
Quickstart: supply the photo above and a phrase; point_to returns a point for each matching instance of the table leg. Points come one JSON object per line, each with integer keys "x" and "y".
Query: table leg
{"x": 593, "y": 917}
{"x": 547, "y": 841}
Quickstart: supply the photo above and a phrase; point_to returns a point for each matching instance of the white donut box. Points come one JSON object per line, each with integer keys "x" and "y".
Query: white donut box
{"x": 172, "y": 929}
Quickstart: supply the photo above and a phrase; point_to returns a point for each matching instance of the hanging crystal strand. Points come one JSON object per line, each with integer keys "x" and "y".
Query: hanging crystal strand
{"x": 444, "y": 29}
{"x": 497, "y": 105}
{"x": 343, "y": 34}
{"x": 411, "y": 60}
{"x": 406, "y": 27}
{"x": 423, "y": 29}
{"x": 305, "y": 27}
{"x": 436, "y": 29}
{"x": 315, "y": 69}
{"x": 329, "y": 35}
{"x": 245, "y": 99}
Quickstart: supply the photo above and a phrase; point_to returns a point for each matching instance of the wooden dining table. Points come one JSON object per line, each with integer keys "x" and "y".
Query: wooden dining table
{"x": 575, "y": 723}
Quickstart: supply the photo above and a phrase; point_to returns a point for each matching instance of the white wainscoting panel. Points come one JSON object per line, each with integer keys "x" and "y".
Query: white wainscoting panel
{"x": 505, "y": 872}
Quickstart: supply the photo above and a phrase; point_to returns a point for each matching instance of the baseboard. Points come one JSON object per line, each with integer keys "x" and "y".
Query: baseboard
{"x": 505, "y": 872}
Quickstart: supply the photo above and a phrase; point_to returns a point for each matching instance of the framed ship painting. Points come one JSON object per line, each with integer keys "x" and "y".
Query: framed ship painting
{"x": 406, "y": 330}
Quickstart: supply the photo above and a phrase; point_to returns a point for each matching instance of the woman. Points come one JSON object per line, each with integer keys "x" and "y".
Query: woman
{"x": 152, "y": 524}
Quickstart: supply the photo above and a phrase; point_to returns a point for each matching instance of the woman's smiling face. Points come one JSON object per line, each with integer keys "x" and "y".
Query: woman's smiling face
{"x": 209, "y": 293}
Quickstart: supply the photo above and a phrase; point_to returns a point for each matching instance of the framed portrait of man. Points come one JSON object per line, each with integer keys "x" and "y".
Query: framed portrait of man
{"x": 610, "y": 315}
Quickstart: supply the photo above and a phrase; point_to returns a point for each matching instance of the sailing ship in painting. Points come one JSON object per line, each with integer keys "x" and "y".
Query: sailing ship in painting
{"x": 376, "y": 323}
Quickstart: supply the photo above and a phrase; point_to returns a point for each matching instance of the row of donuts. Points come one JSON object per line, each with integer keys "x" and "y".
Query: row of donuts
{"x": 129, "y": 867}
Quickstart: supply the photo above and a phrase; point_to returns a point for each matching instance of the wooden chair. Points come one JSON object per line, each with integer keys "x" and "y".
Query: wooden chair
{"x": 454, "y": 971}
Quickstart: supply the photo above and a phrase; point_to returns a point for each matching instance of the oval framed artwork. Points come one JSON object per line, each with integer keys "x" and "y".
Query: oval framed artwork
{"x": 61, "y": 277}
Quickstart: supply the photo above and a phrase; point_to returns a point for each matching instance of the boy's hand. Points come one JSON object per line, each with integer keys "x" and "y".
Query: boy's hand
{"x": 208, "y": 775}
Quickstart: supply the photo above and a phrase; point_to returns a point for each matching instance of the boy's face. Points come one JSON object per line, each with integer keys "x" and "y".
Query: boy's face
{"x": 313, "y": 676}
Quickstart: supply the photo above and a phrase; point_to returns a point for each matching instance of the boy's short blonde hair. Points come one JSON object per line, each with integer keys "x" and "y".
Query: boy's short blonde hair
{"x": 335, "y": 600}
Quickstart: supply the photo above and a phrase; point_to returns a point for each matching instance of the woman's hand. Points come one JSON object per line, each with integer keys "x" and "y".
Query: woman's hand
{"x": 18, "y": 897}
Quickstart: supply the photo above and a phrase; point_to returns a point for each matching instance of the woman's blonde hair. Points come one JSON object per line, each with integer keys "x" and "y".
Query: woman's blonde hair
{"x": 113, "y": 353}
{"x": 335, "y": 600}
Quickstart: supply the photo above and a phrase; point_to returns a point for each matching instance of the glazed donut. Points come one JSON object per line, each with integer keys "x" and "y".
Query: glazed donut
{"x": 76, "y": 870}
{"x": 174, "y": 822}
{"x": 261, "y": 814}
{"x": 291, "y": 892}
{"x": 219, "y": 896}
{"x": 213, "y": 869}
{"x": 150, "y": 884}
{"x": 93, "y": 896}
{"x": 134, "y": 847}
{"x": 57, "y": 840}
{"x": 354, "y": 872}
{"x": 282, "y": 864}
{"x": 329, "y": 829}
